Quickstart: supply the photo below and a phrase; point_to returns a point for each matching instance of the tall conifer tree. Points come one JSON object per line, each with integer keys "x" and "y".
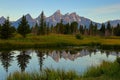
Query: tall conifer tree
{"x": 6, "y": 29}
{"x": 23, "y": 27}
{"x": 43, "y": 28}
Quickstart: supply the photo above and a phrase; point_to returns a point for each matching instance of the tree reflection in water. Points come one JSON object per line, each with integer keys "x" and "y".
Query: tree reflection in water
{"x": 6, "y": 58}
{"x": 23, "y": 59}
{"x": 40, "y": 55}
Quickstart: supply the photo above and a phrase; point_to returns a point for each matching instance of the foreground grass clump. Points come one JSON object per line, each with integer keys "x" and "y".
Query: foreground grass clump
{"x": 47, "y": 74}
{"x": 105, "y": 71}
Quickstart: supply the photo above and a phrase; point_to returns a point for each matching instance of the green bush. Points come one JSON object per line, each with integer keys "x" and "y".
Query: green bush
{"x": 78, "y": 36}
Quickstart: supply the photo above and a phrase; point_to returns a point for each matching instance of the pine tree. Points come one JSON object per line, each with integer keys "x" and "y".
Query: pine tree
{"x": 23, "y": 27}
{"x": 117, "y": 30}
{"x": 42, "y": 24}
{"x": 35, "y": 29}
{"x": 6, "y": 30}
{"x": 81, "y": 29}
{"x": 61, "y": 27}
{"x": 85, "y": 31}
{"x": 57, "y": 28}
{"x": 0, "y": 27}
{"x": 74, "y": 27}
{"x": 95, "y": 29}
{"x": 51, "y": 29}
{"x": 112, "y": 31}
{"x": 13, "y": 29}
{"x": 45, "y": 28}
{"x": 48, "y": 29}
{"x": 109, "y": 26}
{"x": 91, "y": 26}
{"x": 108, "y": 29}
{"x": 102, "y": 29}
{"x": 67, "y": 29}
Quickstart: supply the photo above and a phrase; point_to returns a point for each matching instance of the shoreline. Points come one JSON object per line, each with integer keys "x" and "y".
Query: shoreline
{"x": 10, "y": 46}
{"x": 60, "y": 41}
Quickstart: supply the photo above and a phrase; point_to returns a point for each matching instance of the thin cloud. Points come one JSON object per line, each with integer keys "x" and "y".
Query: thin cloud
{"x": 106, "y": 9}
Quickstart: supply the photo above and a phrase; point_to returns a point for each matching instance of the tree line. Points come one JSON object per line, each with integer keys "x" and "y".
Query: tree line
{"x": 6, "y": 30}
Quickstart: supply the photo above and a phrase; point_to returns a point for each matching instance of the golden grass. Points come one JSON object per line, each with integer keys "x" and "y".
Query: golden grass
{"x": 58, "y": 40}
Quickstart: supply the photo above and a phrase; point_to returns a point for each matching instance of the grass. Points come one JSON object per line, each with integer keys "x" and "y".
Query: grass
{"x": 47, "y": 74}
{"x": 58, "y": 40}
{"x": 105, "y": 71}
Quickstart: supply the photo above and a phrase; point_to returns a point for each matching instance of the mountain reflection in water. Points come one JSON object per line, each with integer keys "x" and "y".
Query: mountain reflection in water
{"x": 30, "y": 60}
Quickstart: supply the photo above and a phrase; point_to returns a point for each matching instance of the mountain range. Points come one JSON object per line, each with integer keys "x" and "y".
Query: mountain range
{"x": 56, "y": 18}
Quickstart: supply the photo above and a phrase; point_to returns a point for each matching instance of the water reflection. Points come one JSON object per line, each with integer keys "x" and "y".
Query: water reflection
{"x": 6, "y": 58}
{"x": 23, "y": 59}
{"x": 40, "y": 55}
{"x": 30, "y": 60}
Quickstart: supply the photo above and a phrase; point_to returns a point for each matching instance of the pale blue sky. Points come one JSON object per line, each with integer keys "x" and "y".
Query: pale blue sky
{"x": 96, "y": 10}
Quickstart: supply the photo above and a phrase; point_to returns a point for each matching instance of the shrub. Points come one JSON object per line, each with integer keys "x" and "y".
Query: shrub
{"x": 78, "y": 36}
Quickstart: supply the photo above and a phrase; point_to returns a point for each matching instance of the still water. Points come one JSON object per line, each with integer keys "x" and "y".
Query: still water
{"x": 37, "y": 60}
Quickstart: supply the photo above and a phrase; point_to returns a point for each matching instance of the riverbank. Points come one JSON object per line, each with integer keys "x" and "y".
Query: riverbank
{"x": 59, "y": 40}
{"x": 105, "y": 71}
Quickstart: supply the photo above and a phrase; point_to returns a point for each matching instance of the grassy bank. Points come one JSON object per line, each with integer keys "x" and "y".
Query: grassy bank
{"x": 59, "y": 40}
{"x": 105, "y": 71}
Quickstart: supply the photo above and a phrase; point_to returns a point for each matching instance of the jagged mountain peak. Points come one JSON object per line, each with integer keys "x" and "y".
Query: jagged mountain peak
{"x": 2, "y": 19}
{"x": 67, "y": 14}
{"x": 38, "y": 18}
{"x": 73, "y": 13}
{"x": 113, "y": 22}
{"x": 28, "y": 17}
{"x": 56, "y": 18}
{"x": 57, "y": 12}
{"x": 30, "y": 20}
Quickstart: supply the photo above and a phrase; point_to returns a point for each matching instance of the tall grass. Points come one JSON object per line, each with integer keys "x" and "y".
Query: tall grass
{"x": 58, "y": 40}
{"x": 47, "y": 74}
{"x": 109, "y": 70}
{"x": 105, "y": 71}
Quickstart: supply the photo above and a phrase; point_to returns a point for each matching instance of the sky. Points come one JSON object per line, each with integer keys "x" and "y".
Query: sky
{"x": 96, "y": 10}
